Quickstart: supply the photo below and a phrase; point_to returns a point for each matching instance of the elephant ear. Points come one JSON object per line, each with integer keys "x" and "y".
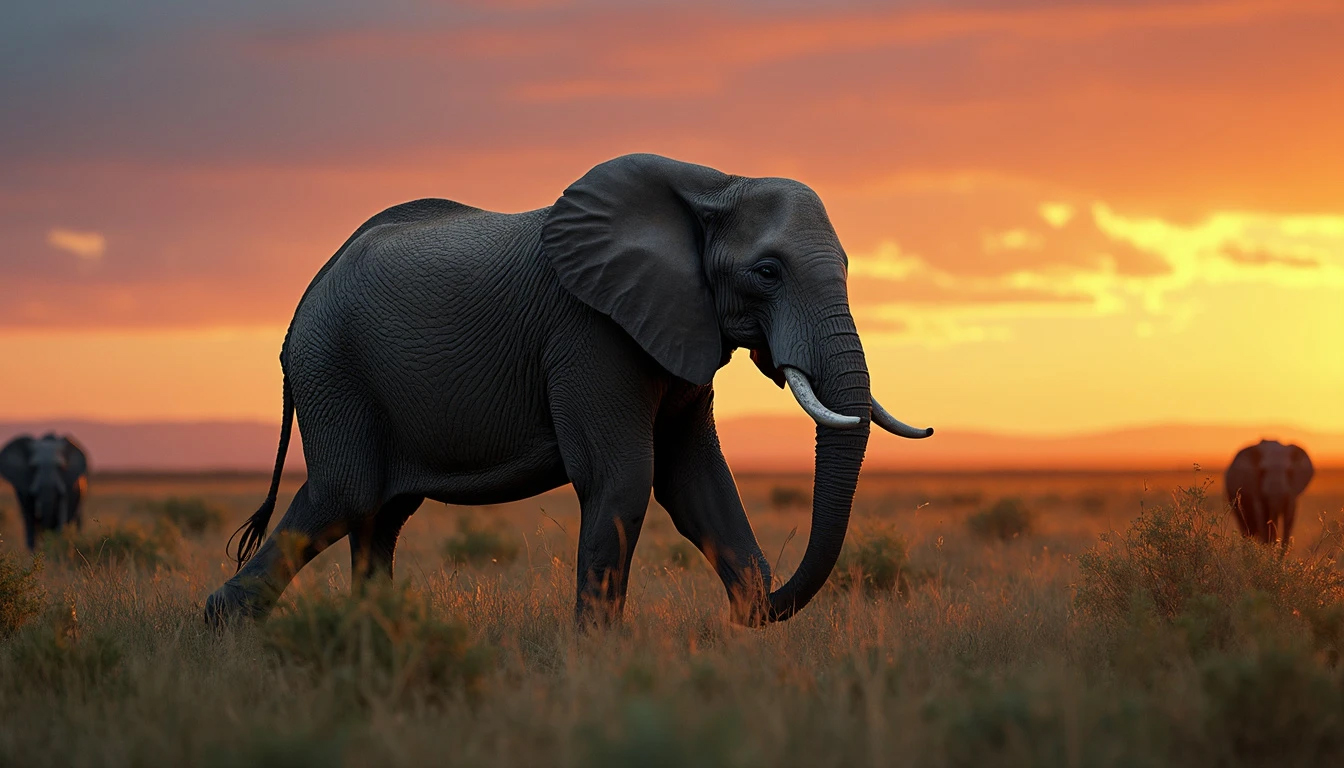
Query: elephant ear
{"x": 76, "y": 463}
{"x": 627, "y": 239}
{"x": 14, "y": 459}
{"x": 1302, "y": 469}
{"x": 1241, "y": 473}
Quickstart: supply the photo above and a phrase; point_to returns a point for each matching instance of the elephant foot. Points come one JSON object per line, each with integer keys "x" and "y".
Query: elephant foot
{"x": 231, "y": 604}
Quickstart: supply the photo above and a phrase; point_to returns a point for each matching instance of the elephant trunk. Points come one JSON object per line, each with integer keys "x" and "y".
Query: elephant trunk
{"x": 841, "y": 384}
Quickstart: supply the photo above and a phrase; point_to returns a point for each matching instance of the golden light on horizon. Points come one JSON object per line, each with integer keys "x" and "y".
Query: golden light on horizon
{"x": 1058, "y": 218}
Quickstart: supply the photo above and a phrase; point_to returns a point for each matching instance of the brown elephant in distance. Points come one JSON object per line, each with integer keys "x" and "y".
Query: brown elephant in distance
{"x": 1262, "y": 486}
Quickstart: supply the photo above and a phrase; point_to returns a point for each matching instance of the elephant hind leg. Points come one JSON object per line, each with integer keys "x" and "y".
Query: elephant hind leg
{"x": 311, "y": 524}
{"x": 373, "y": 542}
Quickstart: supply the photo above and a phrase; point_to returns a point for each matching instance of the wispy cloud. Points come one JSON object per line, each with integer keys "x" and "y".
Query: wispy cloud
{"x": 88, "y": 246}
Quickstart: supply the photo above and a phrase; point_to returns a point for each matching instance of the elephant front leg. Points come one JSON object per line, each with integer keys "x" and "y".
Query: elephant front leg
{"x": 695, "y": 486}
{"x": 612, "y": 514}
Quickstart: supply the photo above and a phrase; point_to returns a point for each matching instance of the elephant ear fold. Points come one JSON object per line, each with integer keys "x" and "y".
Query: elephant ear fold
{"x": 627, "y": 239}
{"x": 14, "y": 459}
{"x": 1302, "y": 469}
{"x": 76, "y": 463}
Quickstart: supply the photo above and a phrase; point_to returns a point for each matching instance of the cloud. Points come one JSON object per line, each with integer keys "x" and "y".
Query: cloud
{"x": 1263, "y": 257}
{"x": 88, "y": 246}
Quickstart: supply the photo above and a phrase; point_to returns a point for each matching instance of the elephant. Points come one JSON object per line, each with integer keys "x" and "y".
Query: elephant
{"x": 1262, "y": 486}
{"x": 472, "y": 357}
{"x": 50, "y": 477}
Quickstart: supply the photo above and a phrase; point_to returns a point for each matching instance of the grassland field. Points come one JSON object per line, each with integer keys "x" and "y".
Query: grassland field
{"x": 961, "y": 630}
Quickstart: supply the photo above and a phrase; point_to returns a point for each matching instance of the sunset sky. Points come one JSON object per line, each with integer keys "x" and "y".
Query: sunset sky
{"x": 1061, "y": 216}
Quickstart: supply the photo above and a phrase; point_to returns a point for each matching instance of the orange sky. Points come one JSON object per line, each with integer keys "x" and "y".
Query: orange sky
{"x": 1060, "y": 216}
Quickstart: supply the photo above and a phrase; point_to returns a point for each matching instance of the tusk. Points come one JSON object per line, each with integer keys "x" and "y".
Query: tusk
{"x": 895, "y": 426}
{"x": 802, "y": 392}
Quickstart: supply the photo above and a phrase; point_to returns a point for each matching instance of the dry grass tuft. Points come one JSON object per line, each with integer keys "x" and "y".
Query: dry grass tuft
{"x": 874, "y": 559}
{"x": 22, "y": 597}
{"x": 478, "y": 543}
{"x": 381, "y": 645}
{"x": 1008, "y": 519}
{"x": 128, "y": 543}
{"x": 191, "y": 514}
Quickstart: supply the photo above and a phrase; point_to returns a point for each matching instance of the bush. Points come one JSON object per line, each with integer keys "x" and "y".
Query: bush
{"x": 874, "y": 560}
{"x": 1182, "y": 566}
{"x": 21, "y": 596}
{"x": 192, "y": 515}
{"x": 477, "y": 544}
{"x": 125, "y": 544}
{"x": 384, "y": 643}
{"x": 1008, "y": 519}
{"x": 679, "y": 555}
{"x": 785, "y": 496}
{"x": 60, "y": 654}
{"x": 1274, "y": 707}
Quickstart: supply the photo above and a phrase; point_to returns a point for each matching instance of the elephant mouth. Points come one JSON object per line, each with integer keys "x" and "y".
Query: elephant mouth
{"x": 797, "y": 383}
{"x": 763, "y": 361}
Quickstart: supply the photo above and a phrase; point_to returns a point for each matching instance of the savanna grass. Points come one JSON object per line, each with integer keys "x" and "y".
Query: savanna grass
{"x": 1167, "y": 643}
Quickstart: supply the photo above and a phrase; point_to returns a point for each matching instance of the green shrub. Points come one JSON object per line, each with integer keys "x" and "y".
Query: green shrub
{"x": 1275, "y": 707}
{"x": 192, "y": 514}
{"x": 124, "y": 544}
{"x": 280, "y": 747}
{"x": 874, "y": 560}
{"x": 60, "y": 654}
{"x": 21, "y": 596}
{"x": 384, "y": 643}
{"x": 785, "y": 496}
{"x": 679, "y": 555}
{"x": 1184, "y": 567}
{"x": 650, "y": 734}
{"x": 476, "y": 543}
{"x": 1008, "y": 519}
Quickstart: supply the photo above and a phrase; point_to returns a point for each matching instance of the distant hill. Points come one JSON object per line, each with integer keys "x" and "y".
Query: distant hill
{"x": 752, "y": 444}
{"x": 757, "y": 443}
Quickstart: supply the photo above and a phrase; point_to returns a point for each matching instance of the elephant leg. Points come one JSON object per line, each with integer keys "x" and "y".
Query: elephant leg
{"x": 1289, "y": 517}
{"x": 29, "y": 515}
{"x": 373, "y": 542}
{"x": 612, "y": 513}
{"x": 693, "y": 483}
{"x": 310, "y": 525}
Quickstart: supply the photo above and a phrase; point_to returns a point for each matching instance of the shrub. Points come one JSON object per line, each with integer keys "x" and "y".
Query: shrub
{"x": 1275, "y": 707}
{"x": 1184, "y": 567}
{"x": 60, "y": 654}
{"x": 785, "y": 496}
{"x": 21, "y": 596}
{"x": 649, "y": 733}
{"x": 383, "y": 643}
{"x": 192, "y": 514}
{"x": 477, "y": 544}
{"x": 679, "y": 555}
{"x": 874, "y": 560}
{"x": 124, "y": 544}
{"x": 1008, "y": 519}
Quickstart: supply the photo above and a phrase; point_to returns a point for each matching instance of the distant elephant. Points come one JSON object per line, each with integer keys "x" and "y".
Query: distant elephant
{"x": 471, "y": 357}
{"x": 1262, "y": 486}
{"x": 50, "y": 476}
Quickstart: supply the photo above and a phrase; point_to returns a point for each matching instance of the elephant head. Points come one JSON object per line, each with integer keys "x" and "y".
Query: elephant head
{"x": 694, "y": 263}
{"x": 1263, "y": 483}
{"x": 48, "y": 475}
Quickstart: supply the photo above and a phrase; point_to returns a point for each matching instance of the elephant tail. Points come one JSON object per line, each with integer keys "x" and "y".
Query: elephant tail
{"x": 253, "y": 532}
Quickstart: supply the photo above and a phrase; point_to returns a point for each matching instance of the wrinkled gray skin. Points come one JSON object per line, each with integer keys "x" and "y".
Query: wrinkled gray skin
{"x": 49, "y": 475}
{"x": 471, "y": 357}
{"x": 1262, "y": 486}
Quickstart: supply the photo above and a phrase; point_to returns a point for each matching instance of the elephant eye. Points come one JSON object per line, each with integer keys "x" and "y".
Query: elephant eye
{"x": 767, "y": 269}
